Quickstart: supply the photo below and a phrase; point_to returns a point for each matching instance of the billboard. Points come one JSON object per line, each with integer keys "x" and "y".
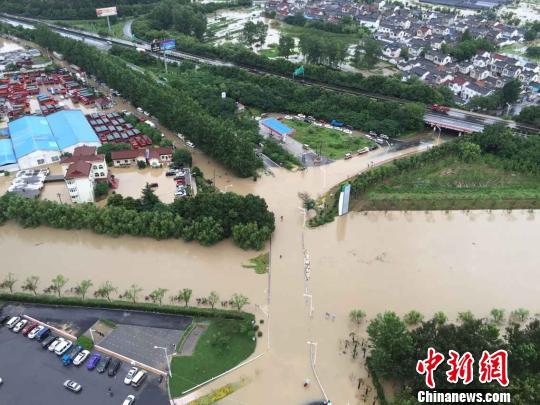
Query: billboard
{"x": 167, "y": 44}
{"x": 106, "y": 12}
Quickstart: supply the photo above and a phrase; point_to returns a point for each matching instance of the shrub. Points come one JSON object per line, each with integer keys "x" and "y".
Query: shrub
{"x": 141, "y": 164}
{"x": 85, "y": 342}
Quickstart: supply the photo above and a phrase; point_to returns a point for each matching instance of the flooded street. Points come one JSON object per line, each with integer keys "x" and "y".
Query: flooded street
{"x": 398, "y": 261}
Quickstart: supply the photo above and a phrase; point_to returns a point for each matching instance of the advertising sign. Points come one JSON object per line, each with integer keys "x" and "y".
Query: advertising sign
{"x": 106, "y": 12}
{"x": 167, "y": 44}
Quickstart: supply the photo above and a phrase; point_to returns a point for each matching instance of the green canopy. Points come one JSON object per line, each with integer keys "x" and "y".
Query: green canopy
{"x": 299, "y": 71}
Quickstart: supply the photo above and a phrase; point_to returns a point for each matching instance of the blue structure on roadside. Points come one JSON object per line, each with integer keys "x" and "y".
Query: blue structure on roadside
{"x": 273, "y": 126}
{"x": 70, "y": 127}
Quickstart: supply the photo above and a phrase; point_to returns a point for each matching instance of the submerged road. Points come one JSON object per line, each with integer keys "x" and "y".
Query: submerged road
{"x": 455, "y": 119}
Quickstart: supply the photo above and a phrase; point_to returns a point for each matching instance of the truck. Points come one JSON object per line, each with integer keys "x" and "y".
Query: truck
{"x": 439, "y": 108}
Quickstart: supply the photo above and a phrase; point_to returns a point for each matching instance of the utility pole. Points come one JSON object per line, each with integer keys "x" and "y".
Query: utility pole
{"x": 109, "y": 25}
{"x": 165, "y": 59}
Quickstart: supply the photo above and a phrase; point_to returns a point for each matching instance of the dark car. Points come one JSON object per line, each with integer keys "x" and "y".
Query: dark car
{"x": 103, "y": 364}
{"x": 43, "y": 334}
{"x": 114, "y": 367}
{"x": 48, "y": 341}
{"x": 5, "y": 319}
{"x": 93, "y": 361}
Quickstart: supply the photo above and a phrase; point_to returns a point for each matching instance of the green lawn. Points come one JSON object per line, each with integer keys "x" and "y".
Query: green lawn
{"x": 97, "y": 26}
{"x": 222, "y": 346}
{"x": 271, "y": 52}
{"x": 454, "y": 184}
{"x": 333, "y": 143}
{"x": 297, "y": 31}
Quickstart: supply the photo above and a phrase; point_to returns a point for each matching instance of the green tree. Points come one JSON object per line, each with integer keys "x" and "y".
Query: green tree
{"x": 157, "y": 295}
{"x": 254, "y": 32}
{"x": 413, "y": 318}
{"x": 530, "y": 115}
{"x": 285, "y": 46}
{"x": 250, "y": 236}
{"x": 101, "y": 189}
{"x": 440, "y": 318}
{"x": 82, "y": 288}
{"x": 8, "y": 282}
{"x": 511, "y": 91}
{"x": 466, "y": 316}
{"x": 185, "y": 295}
{"x": 239, "y": 301}
{"x": 533, "y": 51}
{"x": 105, "y": 290}
{"x": 357, "y": 316}
{"x": 58, "y": 283}
{"x": 149, "y": 199}
{"x": 497, "y": 315}
{"x": 182, "y": 157}
{"x": 519, "y": 315}
{"x": 132, "y": 293}
{"x": 213, "y": 299}
{"x": 392, "y": 346}
{"x": 30, "y": 284}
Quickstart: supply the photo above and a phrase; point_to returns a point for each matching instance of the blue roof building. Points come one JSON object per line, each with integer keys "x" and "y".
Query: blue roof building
{"x": 273, "y": 126}
{"x": 71, "y": 128}
{"x": 30, "y": 134}
{"x": 7, "y": 156}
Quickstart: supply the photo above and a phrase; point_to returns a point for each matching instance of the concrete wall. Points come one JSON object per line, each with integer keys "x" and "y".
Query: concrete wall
{"x": 38, "y": 158}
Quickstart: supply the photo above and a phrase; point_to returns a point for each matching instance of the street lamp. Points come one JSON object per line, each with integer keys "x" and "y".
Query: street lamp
{"x": 313, "y": 355}
{"x": 166, "y": 358}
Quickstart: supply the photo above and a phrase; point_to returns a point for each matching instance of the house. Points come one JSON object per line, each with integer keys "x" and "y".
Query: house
{"x": 423, "y": 32}
{"x": 438, "y": 58}
{"x": 456, "y": 85}
{"x": 87, "y": 154}
{"x": 158, "y": 156}
{"x": 471, "y": 90}
{"x": 80, "y": 182}
{"x": 370, "y": 21}
{"x": 123, "y": 158}
{"x": 391, "y": 51}
{"x": 480, "y": 73}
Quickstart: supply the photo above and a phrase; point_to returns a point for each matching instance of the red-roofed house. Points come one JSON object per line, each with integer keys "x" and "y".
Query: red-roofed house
{"x": 158, "y": 156}
{"x": 122, "y": 158}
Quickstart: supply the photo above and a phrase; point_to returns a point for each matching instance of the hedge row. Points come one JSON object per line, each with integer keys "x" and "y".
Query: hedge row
{"x": 139, "y": 306}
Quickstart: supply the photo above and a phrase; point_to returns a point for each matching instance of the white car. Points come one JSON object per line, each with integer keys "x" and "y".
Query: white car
{"x": 190, "y": 144}
{"x": 62, "y": 348}
{"x": 288, "y": 117}
{"x": 80, "y": 358}
{"x": 21, "y": 324}
{"x": 347, "y": 131}
{"x": 72, "y": 385}
{"x": 139, "y": 109}
{"x": 131, "y": 373}
{"x": 12, "y": 322}
{"x": 328, "y": 126}
{"x": 33, "y": 333}
{"x": 129, "y": 400}
{"x": 55, "y": 344}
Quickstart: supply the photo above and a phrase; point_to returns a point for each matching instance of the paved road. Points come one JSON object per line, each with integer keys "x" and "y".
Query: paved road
{"x": 34, "y": 376}
{"x": 127, "y": 29}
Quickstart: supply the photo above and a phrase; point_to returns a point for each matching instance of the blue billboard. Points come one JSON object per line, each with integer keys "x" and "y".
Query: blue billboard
{"x": 167, "y": 44}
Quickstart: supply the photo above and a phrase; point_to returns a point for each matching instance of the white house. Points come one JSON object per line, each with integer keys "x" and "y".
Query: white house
{"x": 80, "y": 182}
{"x": 88, "y": 154}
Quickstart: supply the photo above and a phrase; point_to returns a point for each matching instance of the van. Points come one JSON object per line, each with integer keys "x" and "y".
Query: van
{"x": 139, "y": 378}
{"x": 12, "y": 322}
{"x": 363, "y": 150}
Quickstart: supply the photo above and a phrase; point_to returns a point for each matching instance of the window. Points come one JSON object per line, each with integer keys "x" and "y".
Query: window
{"x": 55, "y": 158}
{"x": 95, "y": 167}
{"x": 102, "y": 174}
{"x": 126, "y": 161}
{"x": 101, "y": 167}
{"x": 40, "y": 161}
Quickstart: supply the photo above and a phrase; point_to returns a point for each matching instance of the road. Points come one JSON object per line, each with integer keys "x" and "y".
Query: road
{"x": 459, "y": 120}
{"x": 127, "y": 29}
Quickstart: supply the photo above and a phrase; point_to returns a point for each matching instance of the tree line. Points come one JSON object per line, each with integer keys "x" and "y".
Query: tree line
{"x": 206, "y": 218}
{"x": 398, "y": 344}
{"x": 174, "y": 108}
{"x": 413, "y": 90}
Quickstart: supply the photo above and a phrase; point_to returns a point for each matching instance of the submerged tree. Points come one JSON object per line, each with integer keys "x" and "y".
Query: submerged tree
{"x": 82, "y": 288}
{"x": 105, "y": 290}
{"x": 58, "y": 284}
{"x": 157, "y": 295}
{"x": 213, "y": 299}
{"x": 30, "y": 284}
{"x": 239, "y": 301}
{"x": 357, "y": 316}
{"x": 8, "y": 282}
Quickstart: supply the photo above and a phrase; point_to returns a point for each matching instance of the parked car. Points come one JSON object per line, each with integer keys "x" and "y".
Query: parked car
{"x": 48, "y": 340}
{"x": 21, "y": 324}
{"x": 72, "y": 386}
{"x": 28, "y": 328}
{"x": 35, "y": 331}
{"x": 55, "y": 343}
{"x": 363, "y": 150}
{"x": 190, "y": 144}
{"x": 5, "y": 319}
{"x": 62, "y": 348}
{"x": 130, "y": 399}
{"x": 348, "y": 155}
{"x": 170, "y": 173}
{"x": 68, "y": 357}
{"x": 103, "y": 364}
{"x": 12, "y": 322}
{"x": 93, "y": 361}
{"x": 113, "y": 368}
{"x": 45, "y": 332}
{"x": 139, "y": 378}
{"x": 80, "y": 358}
{"x": 131, "y": 373}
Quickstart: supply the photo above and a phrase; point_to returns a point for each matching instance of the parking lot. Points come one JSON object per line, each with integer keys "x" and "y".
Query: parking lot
{"x": 34, "y": 376}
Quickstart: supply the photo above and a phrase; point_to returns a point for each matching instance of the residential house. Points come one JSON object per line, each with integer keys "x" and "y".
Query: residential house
{"x": 124, "y": 158}
{"x": 158, "y": 156}
{"x": 99, "y": 169}
{"x": 80, "y": 182}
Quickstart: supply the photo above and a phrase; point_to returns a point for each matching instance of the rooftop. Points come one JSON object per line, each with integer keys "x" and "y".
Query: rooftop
{"x": 78, "y": 169}
{"x": 277, "y": 126}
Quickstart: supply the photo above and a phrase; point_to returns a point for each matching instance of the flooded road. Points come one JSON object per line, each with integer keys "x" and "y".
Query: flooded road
{"x": 396, "y": 261}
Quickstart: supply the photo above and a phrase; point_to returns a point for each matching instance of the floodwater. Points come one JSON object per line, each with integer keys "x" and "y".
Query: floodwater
{"x": 132, "y": 180}
{"x": 395, "y": 261}
{"x": 9, "y": 46}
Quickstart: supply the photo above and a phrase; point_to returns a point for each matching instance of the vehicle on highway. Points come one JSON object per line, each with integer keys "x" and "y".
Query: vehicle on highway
{"x": 131, "y": 373}
{"x": 114, "y": 367}
{"x": 68, "y": 356}
{"x": 190, "y": 144}
{"x": 34, "y": 332}
{"x": 13, "y": 321}
{"x": 45, "y": 332}
{"x": 439, "y": 108}
{"x": 93, "y": 361}
{"x": 55, "y": 343}
{"x": 72, "y": 386}
{"x": 103, "y": 364}
{"x": 80, "y": 358}
{"x": 139, "y": 378}
{"x": 305, "y": 146}
{"x": 130, "y": 399}
{"x": 28, "y": 328}
{"x": 63, "y": 347}
{"x": 139, "y": 109}
{"x": 21, "y": 324}
{"x": 48, "y": 340}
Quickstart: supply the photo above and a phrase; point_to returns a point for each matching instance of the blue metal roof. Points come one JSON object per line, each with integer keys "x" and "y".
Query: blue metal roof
{"x": 277, "y": 126}
{"x": 70, "y": 127}
{"x": 29, "y": 134}
{"x": 7, "y": 156}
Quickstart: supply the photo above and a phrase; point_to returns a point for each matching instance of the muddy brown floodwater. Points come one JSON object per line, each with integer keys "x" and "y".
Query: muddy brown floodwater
{"x": 395, "y": 261}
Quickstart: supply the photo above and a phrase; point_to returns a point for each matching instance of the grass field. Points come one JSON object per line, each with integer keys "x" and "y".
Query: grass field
{"x": 271, "y": 52}
{"x": 97, "y": 26}
{"x": 454, "y": 184}
{"x": 297, "y": 31}
{"x": 222, "y": 346}
{"x": 333, "y": 143}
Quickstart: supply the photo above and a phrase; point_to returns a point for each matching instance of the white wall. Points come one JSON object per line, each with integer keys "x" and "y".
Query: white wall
{"x": 31, "y": 160}
{"x": 81, "y": 190}
{"x": 70, "y": 149}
